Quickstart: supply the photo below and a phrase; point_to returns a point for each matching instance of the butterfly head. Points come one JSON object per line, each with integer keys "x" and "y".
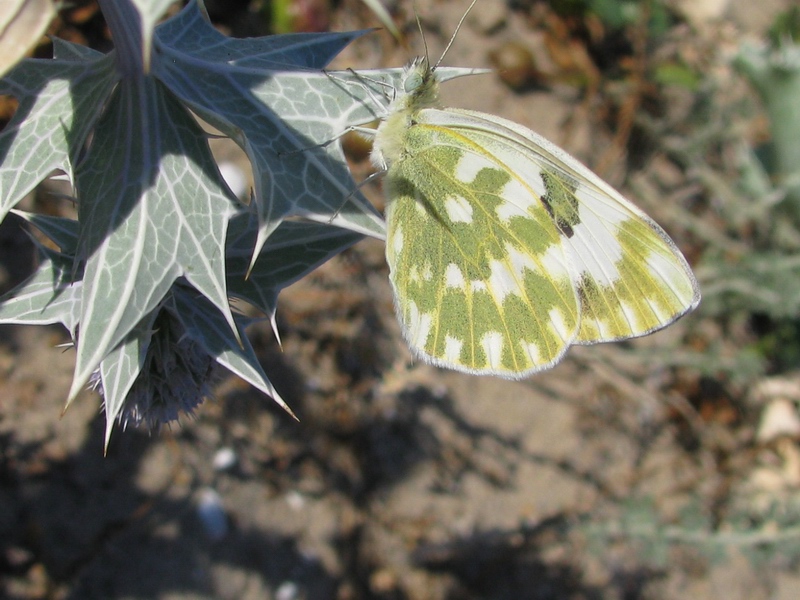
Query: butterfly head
{"x": 420, "y": 85}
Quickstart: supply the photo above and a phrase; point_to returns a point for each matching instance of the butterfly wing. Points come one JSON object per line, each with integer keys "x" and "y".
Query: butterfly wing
{"x": 504, "y": 250}
{"x": 628, "y": 274}
{"x": 482, "y": 280}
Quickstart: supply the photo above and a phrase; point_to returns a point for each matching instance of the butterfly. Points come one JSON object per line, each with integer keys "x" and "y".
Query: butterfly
{"x": 503, "y": 249}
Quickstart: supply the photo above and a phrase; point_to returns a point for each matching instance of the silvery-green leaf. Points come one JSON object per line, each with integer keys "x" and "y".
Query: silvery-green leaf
{"x": 206, "y": 326}
{"x": 48, "y": 296}
{"x": 60, "y": 230}
{"x": 270, "y": 96}
{"x": 120, "y": 368}
{"x": 64, "y": 50}
{"x": 133, "y": 22}
{"x": 189, "y": 37}
{"x": 153, "y": 208}
{"x": 59, "y": 103}
{"x": 292, "y": 251}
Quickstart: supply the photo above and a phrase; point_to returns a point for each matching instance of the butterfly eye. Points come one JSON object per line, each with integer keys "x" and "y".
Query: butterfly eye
{"x": 412, "y": 82}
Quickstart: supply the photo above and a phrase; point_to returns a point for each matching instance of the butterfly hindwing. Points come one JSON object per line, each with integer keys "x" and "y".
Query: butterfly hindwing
{"x": 481, "y": 278}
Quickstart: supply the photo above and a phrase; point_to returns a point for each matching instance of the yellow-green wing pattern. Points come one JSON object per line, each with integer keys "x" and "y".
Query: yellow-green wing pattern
{"x": 482, "y": 282}
{"x": 628, "y": 273}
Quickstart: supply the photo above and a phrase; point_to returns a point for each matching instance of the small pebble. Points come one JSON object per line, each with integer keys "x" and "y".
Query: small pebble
{"x": 295, "y": 500}
{"x": 224, "y": 459}
{"x": 288, "y": 590}
{"x": 212, "y": 515}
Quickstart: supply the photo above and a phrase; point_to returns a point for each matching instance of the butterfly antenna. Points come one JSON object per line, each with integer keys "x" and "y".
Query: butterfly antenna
{"x": 453, "y": 37}
{"x": 421, "y": 31}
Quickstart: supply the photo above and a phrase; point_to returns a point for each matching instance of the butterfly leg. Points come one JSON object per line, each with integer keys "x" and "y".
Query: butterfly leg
{"x": 347, "y": 198}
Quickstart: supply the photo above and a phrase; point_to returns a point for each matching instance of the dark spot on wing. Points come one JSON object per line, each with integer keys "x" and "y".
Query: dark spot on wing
{"x": 561, "y": 202}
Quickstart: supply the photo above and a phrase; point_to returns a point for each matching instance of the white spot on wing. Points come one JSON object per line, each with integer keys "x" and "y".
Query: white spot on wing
{"x": 558, "y": 325}
{"x": 452, "y": 349}
{"x": 596, "y": 248}
{"x": 554, "y": 261}
{"x": 454, "y": 277}
{"x": 397, "y": 240}
{"x": 419, "y": 326}
{"x": 492, "y": 344}
{"x": 663, "y": 317}
{"x": 606, "y": 330}
{"x": 507, "y": 275}
{"x": 458, "y": 209}
{"x": 468, "y": 167}
{"x": 413, "y": 274}
{"x": 520, "y": 260}
{"x": 427, "y": 271}
{"x": 631, "y": 316}
{"x": 502, "y": 280}
{"x": 673, "y": 276}
{"x": 478, "y": 285}
{"x": 516, "y": 197}
{"x": 533, "y": 352}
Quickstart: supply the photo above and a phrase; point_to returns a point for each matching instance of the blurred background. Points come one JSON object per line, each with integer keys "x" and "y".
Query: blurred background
{"x": 664, "y": 467}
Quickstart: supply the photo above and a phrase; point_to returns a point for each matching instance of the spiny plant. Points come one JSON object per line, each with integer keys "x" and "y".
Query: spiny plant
{"x": 142, "y": 280}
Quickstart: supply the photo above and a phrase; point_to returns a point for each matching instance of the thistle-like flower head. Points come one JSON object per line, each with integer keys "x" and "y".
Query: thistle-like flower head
{"x": 175, "y": 377}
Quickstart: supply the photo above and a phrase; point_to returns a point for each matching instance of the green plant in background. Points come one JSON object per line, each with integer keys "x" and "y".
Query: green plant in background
{"x": 774, "y": 71}
{"x": 142, "y": 278}
{"x": 751, "y": 274}
{"x": 616, "y": 14}
{"x": 760, "y": 536}
{"x": 763, "y": 280}
{"x": 786, "y": 28}
{"x": 291, "y": 16}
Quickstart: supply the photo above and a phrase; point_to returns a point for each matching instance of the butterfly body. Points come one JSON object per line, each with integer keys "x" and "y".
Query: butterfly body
{"x": 504, "y": 250}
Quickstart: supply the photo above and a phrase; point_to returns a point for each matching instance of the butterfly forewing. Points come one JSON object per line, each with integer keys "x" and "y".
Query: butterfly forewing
{"x": 481, "y": 278}
{"x": 630, "y": 277}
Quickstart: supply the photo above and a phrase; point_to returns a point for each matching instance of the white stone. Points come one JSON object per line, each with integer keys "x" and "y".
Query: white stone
{"x": 779, "y": 419}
